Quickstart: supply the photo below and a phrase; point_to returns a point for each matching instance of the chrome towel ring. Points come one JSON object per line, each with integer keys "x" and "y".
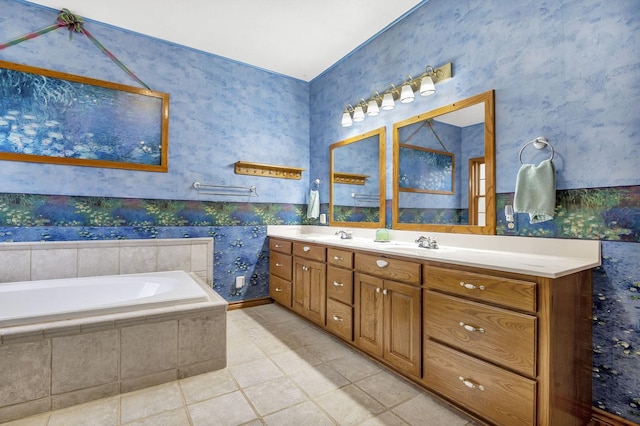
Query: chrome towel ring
{"x": 539, "y": 143}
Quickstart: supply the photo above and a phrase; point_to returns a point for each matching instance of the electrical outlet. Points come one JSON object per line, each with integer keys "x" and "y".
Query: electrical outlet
{"x": 239, "y": 282}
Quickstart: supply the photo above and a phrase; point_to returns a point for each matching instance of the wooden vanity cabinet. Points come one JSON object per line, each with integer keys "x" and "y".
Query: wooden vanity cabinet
{"x": 280, "y": 271}
{"x": 509, "y": 348}
{"x": 309, "y": 281}
{"x": 340, "y": 293}
{"x": 387, "y": 312}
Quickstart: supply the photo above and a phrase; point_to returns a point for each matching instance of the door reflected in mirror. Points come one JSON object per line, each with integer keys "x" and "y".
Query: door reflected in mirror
{"x": 444, "y": 169}
{"x": 357, "y": 191}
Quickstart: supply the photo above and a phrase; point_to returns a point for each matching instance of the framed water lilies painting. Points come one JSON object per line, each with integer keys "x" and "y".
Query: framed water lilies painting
{"x": 52, "y": 117}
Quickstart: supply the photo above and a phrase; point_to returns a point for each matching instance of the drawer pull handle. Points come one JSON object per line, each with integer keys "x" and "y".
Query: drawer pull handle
{"x": 306, "y": 248}
{"x": 277, "y": 246}
{"x": 337, "y": 284}
{"x": 278, "y": 290}
{"x": 471, "y": 286}
{"x": 470, "y": 384}
{"x": 337, "y": 318}
{"x": 279, "y": 264}
{"x": 382, "y": 263}
{"x": 471, "y": 328}
{"x": 305, "y": 268}
{"x": 338, "y": 258}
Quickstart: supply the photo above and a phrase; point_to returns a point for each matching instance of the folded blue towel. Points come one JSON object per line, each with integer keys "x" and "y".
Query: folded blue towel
{"x": 536, "y": 191}
{"x": 313, "y": 209}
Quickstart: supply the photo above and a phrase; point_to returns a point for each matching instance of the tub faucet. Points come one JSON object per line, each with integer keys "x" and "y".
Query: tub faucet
{"x": 345, "y": 235}
{"x": 427, "y": 242}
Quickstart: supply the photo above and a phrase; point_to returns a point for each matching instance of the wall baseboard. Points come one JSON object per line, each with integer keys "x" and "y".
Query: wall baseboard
{"x": 249, "y": 303}
{"x": 602, "y": 418}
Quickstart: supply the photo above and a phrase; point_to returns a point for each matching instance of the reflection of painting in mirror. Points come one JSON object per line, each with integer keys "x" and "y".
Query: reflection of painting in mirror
{"x": 440, "y": 201}
{"x": 426, "y": 170}
{"x": 357, "y": 182}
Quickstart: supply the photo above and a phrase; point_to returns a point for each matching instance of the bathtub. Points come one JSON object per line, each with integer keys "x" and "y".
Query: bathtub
{"x": 30, "y": 302}
{"x": 68, "y": 341}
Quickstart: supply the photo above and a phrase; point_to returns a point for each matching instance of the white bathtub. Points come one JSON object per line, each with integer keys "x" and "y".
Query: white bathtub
{"x": 30, "y": 302}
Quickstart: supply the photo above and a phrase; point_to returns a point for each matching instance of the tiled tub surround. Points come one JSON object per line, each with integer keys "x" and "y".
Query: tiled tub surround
{"x": 71, "y": 259}
{"x": 61, "y": 363}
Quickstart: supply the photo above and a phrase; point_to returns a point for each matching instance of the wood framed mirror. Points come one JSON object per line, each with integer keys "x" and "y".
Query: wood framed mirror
{"x": 448, "y": 154}
{"x": 357, "y": 174}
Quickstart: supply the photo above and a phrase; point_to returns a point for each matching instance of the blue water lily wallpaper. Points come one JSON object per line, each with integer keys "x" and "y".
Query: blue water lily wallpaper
{"x": 568, "y": 70}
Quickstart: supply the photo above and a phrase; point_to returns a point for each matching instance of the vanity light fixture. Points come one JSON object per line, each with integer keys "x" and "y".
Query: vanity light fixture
{"x": 346, "y": 116}
{"x": 406, "y": 94}
{"x": 372, "y": 106}
{"x": 423, "y": 84}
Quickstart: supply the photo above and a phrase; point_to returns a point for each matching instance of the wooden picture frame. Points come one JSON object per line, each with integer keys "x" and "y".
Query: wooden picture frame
{"x": 52, "y": 117}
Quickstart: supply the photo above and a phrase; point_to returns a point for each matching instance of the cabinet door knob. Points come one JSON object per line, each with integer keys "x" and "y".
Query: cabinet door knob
{"x": 468, "y": 383}
{"x": 338, "y": 258}
{"x": 278, "y": 290}
{"x": 279, "y": 264}
{"x": 471, "y": 286}
{"x": 384, "y": 291}
{"x": 306, "y": 248}
{"x": 337, "y": 284}
{"x": 382, "y": 263}
{"x": 471, "y": 328}
{"x": 378, "y": 290}
{"x": 337, "y": 318}
{"x": 305, "y": 268}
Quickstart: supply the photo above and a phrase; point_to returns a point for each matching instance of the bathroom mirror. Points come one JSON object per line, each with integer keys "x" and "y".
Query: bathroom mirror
{"x": 444, "y": 169}
{"x": 357, "y": 173}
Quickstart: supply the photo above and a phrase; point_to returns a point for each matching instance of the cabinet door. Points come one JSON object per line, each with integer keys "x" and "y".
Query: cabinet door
{"x": 368, "y": 313}
{"x": 402, "y": 335}
{"x": 309, "y": 289}
{"x": 317, "y": 292}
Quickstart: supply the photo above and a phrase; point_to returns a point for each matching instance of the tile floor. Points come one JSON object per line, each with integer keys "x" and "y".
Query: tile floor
{"x": 281, "y": 370}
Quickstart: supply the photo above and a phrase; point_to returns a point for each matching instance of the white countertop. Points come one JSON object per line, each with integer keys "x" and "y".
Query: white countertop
{"x": 544, "y": 257}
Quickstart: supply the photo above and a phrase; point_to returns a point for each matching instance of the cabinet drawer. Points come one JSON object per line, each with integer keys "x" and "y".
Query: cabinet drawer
{"x": 340, "y": 258}
{"x": 280, "y": 265}
{"x": 498, "y": 395}
{"x": 280, "y": 246}
{"x": 394, "y": 269}
{"x": 340, "y": 284}
{"x": 495, "y": 334}
{"x": 280, "y": 290}
{"x": 340, "y": 319}
{"x": 487, "y": 288}
{"x": 310, "y": 251}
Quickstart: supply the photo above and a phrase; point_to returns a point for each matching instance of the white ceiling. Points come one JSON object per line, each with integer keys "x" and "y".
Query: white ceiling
{"x": 298, "y": 38}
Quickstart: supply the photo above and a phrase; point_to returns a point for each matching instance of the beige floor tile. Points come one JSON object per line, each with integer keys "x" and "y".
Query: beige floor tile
{"x": 244, "y": 353}
{"x": 275, "y": 395}
{"x": 208, "y": 385}
{"x": 388, "y": 388}
{"x": 150, "y": 401}
{"x": 177, "y": 417}
{"x": 355, "y": 366}
{"x": 422, "y": 407}
{"x": 318, "y": 379}
{"x": 38, "y": 420}
{"x": 386, "y": 419}
{"x": 276, "y": 345}
{"x": 302, "y": 414}
{"x": 349, "y": 405}
{"x": 329, "y": 349}
{"x": 102, "y": 412}
{"x": 295, "y": 360}
{"x": 255, "y": 372}
{"x": 226, "y": 410}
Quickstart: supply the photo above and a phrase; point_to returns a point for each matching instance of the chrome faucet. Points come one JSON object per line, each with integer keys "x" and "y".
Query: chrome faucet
{"x": 345, "y": 235}
{"x": 427, "y": 242}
